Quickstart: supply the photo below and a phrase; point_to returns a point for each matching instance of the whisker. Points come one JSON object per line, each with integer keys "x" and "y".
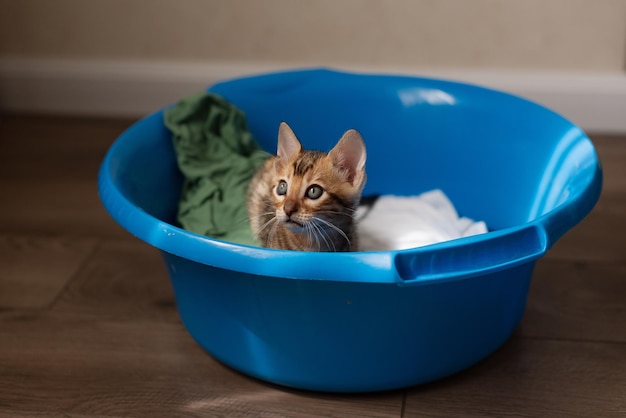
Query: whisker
{"x": 271, "y": 234}
{"x": 261, "y": 216}
{"x": 240, "y": 221}
{"x": 332, "y": 241}
{"x": 325, "y": 234}
{"x": 320, "y": 233}
{"x": 311, "y": 233}
{"x": 265, "y": 225}
{"x": 334, "y": 227}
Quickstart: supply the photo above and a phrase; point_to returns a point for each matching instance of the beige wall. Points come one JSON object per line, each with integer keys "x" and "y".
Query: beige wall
{"x": 587, "y": 35}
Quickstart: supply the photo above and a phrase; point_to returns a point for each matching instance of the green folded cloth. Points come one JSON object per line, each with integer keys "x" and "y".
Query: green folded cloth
{"x": 218, "y": 157}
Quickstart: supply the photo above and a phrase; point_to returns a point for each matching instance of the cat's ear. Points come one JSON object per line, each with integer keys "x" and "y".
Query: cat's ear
{"x": 288, "y": 144}
{"x": 349, "y": 156}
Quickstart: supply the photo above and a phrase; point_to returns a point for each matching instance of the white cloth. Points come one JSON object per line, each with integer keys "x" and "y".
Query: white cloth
{"x": 401, "y": 222}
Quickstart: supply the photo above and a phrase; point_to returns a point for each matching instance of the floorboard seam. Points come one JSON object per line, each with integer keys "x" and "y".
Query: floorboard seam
{"x": 76, "y": 273}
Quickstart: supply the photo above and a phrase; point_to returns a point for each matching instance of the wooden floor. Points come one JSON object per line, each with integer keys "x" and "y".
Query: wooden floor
{"x": 89, "y": 327}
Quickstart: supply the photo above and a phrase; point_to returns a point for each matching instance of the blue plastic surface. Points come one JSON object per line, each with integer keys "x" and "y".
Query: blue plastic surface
{"x": 380, "y": 320}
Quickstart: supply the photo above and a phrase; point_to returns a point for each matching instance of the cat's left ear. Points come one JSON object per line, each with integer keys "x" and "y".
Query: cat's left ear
{"x": 349, "y": 155}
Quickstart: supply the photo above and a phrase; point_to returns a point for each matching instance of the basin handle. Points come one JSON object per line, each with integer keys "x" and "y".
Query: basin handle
{"x": 488, "y": 253}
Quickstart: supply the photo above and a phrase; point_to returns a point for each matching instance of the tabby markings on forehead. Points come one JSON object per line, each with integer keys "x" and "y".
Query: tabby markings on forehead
{"x": 305, "y": 163}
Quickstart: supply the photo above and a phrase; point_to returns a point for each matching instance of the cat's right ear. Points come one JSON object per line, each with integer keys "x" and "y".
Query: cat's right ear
{"x": 288, "y": 144}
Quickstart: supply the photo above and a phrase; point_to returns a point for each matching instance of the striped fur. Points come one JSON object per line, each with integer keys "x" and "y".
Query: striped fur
{"x": 296, "y": 215}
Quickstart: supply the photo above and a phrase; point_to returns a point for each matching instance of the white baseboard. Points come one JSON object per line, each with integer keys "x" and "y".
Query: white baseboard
{"x": 596, "y": 102}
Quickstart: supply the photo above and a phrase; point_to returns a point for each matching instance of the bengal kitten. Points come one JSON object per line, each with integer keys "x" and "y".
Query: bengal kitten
{"x": 306, "y": 200}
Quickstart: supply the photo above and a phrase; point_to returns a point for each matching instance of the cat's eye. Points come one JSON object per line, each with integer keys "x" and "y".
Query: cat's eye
{"x": 281, "y": 189}
{"x": 314, "y": 192}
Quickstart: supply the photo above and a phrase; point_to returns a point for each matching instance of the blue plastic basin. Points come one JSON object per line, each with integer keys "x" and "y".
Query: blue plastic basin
{"x": 379, "y": 320}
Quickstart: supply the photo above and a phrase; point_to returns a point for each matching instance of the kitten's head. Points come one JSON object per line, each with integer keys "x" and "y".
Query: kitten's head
{"x": 314, "y": 190}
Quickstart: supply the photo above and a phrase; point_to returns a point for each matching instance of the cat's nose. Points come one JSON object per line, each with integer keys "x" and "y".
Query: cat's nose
{"x": 290, "y": 207}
